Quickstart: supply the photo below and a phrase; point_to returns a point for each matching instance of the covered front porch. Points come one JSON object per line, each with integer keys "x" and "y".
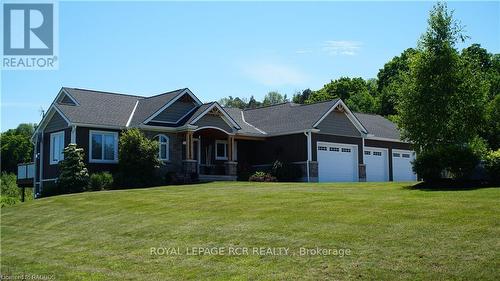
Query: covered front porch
{"x": 209, "y": 154}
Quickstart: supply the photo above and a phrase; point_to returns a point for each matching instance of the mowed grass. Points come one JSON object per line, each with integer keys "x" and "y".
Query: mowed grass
{"x": 392, "y": 232}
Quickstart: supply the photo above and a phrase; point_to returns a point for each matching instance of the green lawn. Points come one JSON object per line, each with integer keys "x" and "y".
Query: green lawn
{"x": 392, "y": 233}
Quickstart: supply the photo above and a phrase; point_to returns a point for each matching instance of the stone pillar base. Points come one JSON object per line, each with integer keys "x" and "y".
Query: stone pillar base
{"x": 362, "y": 172}
{"x": 313, "y": 171}
{"x": 231, "y": 168}
{"x": 190, "y": 171}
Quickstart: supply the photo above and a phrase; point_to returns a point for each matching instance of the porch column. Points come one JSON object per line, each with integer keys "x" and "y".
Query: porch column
{"x": 190, "y": 165}
{"x": 230, "y": 145}
{"x": 189, "y": 145}
{"x": 230, "y": 165}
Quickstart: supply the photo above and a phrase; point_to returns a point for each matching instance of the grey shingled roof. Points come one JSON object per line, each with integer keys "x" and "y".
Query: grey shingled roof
{"x": 246, "y": 128}
{"x": 199, "y": 111}
{"x": 378, "y": 125}
{"x": 287, "y": 117}
{"x": 100, "y": 108}
{"x": 105, "y": 108}
{"x": 148, "y": 106}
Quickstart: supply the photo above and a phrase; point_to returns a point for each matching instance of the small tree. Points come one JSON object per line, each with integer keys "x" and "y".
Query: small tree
{"x": 138, "y": 159}
{"x": 74, "y": 176}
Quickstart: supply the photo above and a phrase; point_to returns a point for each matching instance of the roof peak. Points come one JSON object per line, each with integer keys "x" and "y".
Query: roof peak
{"x": 102, "y": 92}
{"x": 291, "y": 103}
{"x": 166, "y": 93}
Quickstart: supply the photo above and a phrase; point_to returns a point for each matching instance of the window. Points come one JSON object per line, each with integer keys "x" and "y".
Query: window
{"x": 103, "y": 147}
{"x": 405, "y": 155}
{"x": 334, "y": 149}
{"x": 346, "y": 150}
{"x": 377, "y": 153}
{"x": 368, "y": 153}
{"x": 322, "y": 148}
{"x": 396, "y": 155}
{"x": 56, "y": 147}
{"x": 163, "y": 153}
{"x": 220, "y": 150}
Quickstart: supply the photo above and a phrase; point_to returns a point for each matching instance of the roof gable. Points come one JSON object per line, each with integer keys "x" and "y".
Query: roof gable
{"x": 339, "y": 105}
{"x": 153, "y": 106}
{"x": 176, "y": 111}
{"x": 213, "y": 109}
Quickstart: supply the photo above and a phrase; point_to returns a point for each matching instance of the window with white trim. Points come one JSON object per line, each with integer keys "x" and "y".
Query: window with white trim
{"x": 322, "y": 148}
{"x": 377, "y": 153}
{"x": 396, "y": 154}
{"x": 368, "y": 153}
{"x": 336, "y": 149}
{"x": 56, "y": 147}
{"x": 163, "y": 144}
{"x": 346, "y": 150}
{"x": 405, "y": 155}
{"x": 220, "y": 150}
{"x": 103, "y": 147}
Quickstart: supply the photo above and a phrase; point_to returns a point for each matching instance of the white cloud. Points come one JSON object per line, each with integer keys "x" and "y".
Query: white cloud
{"x": 273, "y": 74}
{"x": 342, "y": 47}
{"x": 303, "y": 51}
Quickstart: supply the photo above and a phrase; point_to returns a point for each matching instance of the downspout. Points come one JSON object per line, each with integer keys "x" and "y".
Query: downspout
{"x": 35, "y": 147}
{"x": 73, "y": 134}
{"x": 309, "y": 153}
{"x": 40, "y": 153}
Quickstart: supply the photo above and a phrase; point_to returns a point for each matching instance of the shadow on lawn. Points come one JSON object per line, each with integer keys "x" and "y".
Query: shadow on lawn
{"x": 451, "y": 185}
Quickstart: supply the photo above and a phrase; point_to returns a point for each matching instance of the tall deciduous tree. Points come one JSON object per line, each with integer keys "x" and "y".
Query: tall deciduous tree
{"x": 443, "y": 98}
{"x": 16, "y": 147}
{"x": 390, "y": 79}
{"x": 274, "y": 98}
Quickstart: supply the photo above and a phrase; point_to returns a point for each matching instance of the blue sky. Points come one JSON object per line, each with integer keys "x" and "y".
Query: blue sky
{"x": 221, "y": 49}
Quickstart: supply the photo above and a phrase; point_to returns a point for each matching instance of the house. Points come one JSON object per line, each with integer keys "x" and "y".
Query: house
{"x": 326, "y": 140}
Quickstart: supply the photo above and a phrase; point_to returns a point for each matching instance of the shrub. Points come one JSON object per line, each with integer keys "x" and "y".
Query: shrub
{"x": 74, "y": 176}
{"x": 459, "y": 161}
{"x": 10, "y": 192}
{"x": 428, "y": 165}
{"x": 171, "y": 178}
{"x": 50, "y": 188}
{"x": 138, "y": 159}
{"x": 284, "y": 171}
{"x": 492, "y": 164}
{"x": 262, "y": 177}
{"x": 100, "y": 181}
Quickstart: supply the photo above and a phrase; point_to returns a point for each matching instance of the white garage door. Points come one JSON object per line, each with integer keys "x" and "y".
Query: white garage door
{"x": 401, "y": 165}
{"x": 337, "y": 162}
{"x": 377, "y": 164}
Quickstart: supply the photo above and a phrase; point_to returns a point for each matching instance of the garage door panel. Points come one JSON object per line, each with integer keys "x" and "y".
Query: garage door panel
{"x": 337, "y": 162}
{"x": 377, "y": 164}
{"x": 402, "y": 165}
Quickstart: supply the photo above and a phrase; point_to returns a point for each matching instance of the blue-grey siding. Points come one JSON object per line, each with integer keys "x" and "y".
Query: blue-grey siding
{"x": 175, "y": 111}
{"x": 56, "y": 123}
{"x": 213, "y": 121}
{"x": 337, "y": 123}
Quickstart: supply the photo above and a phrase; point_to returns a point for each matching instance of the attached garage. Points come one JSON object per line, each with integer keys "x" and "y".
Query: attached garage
{"x": 401, "y": 165}
{"x": 337, "y": 162}
{"x": 377, "y": 164}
